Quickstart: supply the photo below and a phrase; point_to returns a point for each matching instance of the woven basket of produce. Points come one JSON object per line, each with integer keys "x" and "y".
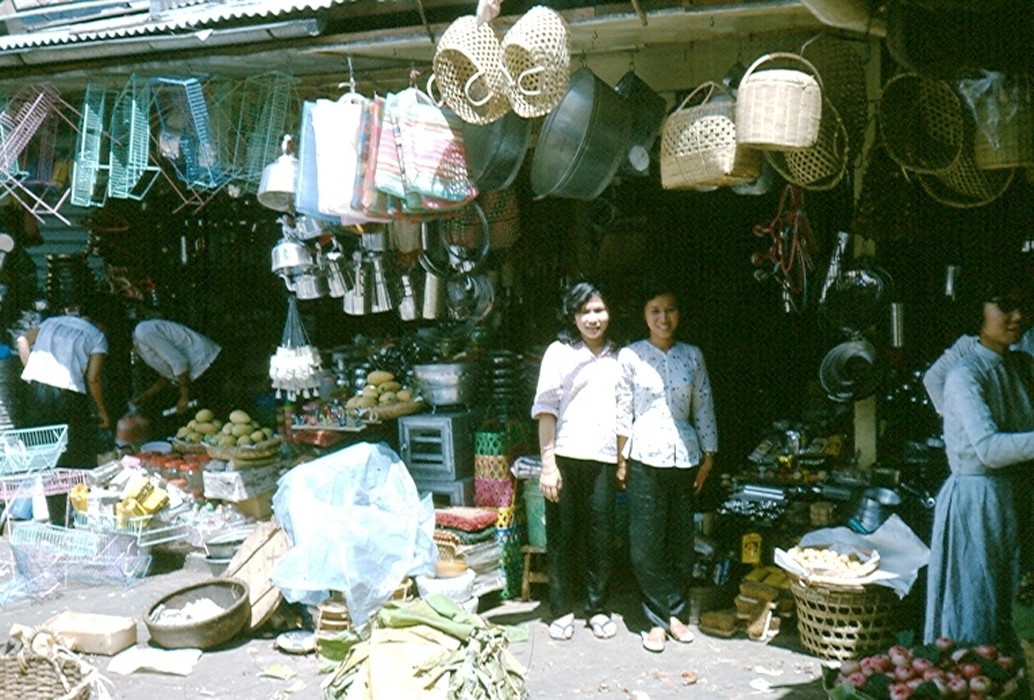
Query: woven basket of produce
{"x": 185, "y": 447}
{"x": 262, "y": 450}
{"x": 844, "y": 622}
{"x": 388, "y": 411}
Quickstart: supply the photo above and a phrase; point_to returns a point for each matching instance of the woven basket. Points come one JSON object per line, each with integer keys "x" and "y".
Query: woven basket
{"x": 491, "y": 467}
{"x": 390, "y": 411}
{"x": 494, "y": 493}
{"x": 844, "y": 623}
{"x": 262, "y": 450}
{"x": 537, "y": 61}
{"x": 27, "y": 676}
{"x": 1012, "y": 145}
{"x": 490, "y": 442}
{"x": 819, "y": 167}
{"x": 699, "y": 146}
{"x": 889, "y": 201}
{"x": 843, "y": 82}
{"x": 779, "y": 108}
{"x": 965, "y": 186}
{"x": 186, "y": 448}
{"x": 922, "y": 122}
{"x": 469, "y": 71}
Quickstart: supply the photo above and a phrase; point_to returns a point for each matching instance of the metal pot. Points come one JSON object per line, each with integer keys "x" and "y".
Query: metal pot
{"x": 288, "y": 255}
{"x": 277, "y": 185}
{"x": 648, "y": 113}
{"x": 874, "y": 505}
{"x": 310, "y": 285}
{"x": 583, "y": 140}
{"x": 338, "y": 278}
{"x": 432, "y": 306}
{"x": 496, "y": 151}
{"x": 359, "y": 299}
{"x": 447, "y": 384}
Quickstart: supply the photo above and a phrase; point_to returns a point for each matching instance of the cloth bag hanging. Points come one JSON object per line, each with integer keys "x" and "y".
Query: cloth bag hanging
{"x": 336, "y": 125}
{"x": 366, "y": 198}
{"x": 305, "y": 194}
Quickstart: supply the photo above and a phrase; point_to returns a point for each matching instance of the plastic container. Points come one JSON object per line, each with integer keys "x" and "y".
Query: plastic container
{"x": 94, "y": 634}
{"x": 535, "y": 506}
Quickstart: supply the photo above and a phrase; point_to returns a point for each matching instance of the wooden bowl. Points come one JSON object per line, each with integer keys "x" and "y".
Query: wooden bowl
{"x": 450, "y": 568}
{"x": 227, "y": 593}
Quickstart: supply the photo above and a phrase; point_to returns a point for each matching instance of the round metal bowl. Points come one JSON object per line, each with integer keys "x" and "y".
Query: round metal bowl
{"x": 447, "y": 384}
{"x": 227, "y": 593}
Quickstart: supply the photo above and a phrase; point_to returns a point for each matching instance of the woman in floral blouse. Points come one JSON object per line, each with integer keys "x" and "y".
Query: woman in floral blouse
{"x": 667, "y": 437}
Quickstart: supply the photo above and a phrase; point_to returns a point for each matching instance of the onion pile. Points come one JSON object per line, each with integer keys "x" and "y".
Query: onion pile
{"x": 939, "y": 670}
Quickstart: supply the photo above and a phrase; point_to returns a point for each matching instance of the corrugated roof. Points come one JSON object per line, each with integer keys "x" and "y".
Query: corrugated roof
{"x": 178, "y": 20}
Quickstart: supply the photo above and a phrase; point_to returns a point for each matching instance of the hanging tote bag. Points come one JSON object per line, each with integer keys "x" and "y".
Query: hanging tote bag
{"x": 336, "y": 125}
{"x": 388, "y": 175}
{"x": 305, "y": 194}
{"x": 366, "y": 198}
{"x": 432, "y": 155}
{"x": 699, "y": 146}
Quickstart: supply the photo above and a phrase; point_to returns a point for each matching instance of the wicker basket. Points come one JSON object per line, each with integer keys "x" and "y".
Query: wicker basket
{"x": 537, "y": 61}
{"x": 491, "y": 466}
{"x": 262, "y": 450}
{"x": 779, "y": 108}
{"x": 28, "y": 676}
{"x": 699, "y": 146}
{"x": 922, "y": 122}
{"x": 843, "y": 81}
{"x": 822, "y": 166}
{"x": 390, "y": 411}
{"x": 844, "y": 623}
{"x": 469, "y": 71}
{"x": 965, "y": 186}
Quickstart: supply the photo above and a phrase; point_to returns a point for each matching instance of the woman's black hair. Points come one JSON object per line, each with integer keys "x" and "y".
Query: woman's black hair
{"x": 653, "y": 288}
{"x": 574, "y": 299}
{"x": 1012, "y": 280}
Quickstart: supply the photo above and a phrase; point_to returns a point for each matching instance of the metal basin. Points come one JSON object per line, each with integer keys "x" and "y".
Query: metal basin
{"x": 447, "y": 384}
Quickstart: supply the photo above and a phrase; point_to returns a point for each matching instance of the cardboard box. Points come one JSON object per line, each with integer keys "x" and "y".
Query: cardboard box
{"x": 240, "y": 485}
{"x": 258, "y": 507}
{"x": 91, "y": 633}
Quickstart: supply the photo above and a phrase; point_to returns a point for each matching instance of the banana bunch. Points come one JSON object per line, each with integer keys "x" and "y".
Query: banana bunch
{"x": 381, "y": 390}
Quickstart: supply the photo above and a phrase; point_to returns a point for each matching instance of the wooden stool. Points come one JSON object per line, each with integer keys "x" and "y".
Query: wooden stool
{"x": 531, "y": 574}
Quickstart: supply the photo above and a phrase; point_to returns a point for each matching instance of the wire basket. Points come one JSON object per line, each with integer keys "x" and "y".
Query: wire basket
{"x": 537, "y": 61}
{"x": 779, "y": 108}
{"x": 45, "y": 552}
{"x": 844, "y": 623}
{"x": 88, "y": 187}
{"x": 269, "y": 108}
{"x": 186, "y": 135}
{"x": 32, "y": 449}
{"x": 819, "y": 167}
{"x": 21, "y": 117}
{"x": 699, "y": 146}
{"x": 131, "y": 171}
{"x": 921, "y": 121}
{"x": 146, "y": 530}
{"x": 468, "y": 70}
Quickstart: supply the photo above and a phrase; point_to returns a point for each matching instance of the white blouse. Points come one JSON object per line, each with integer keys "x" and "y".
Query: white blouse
{"x": 665, "y": 405}
{"x": 172, "y": 349}
{"x": 61, "y": 353}
{"x": 577, "y": 387}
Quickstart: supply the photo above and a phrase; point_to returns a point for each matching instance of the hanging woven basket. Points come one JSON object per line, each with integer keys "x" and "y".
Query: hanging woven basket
{"x": 965, "y": 186}
{"x": 779, "y": 108}
{"x": 922, "y": 123}
{"x": 468, "y": 70}
{"x": 822, "y": 166}
{"x": 537, "y": 61}
{"x": 699, "y": 147}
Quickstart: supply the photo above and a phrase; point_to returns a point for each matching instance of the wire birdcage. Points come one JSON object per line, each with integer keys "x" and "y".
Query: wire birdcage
{"x": 269, "y": 108}
{"x": 186, "y": 132}
{"x": 132, "y": 172}
{"x": 89, "y": 175}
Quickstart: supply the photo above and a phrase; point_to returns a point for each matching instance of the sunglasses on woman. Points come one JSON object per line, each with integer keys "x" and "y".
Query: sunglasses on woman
{"x": 1007, "y": 305}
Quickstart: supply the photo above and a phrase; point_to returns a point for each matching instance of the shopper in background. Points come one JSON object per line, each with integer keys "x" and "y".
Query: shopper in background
{"x": 981, "y": 526}
{"x": 179, "y": 355}
{"x": 937, "y": 373}
{"x": 575, "y": 409}
{"x": 667, "y": 437}
{"x": 63, "y": 360}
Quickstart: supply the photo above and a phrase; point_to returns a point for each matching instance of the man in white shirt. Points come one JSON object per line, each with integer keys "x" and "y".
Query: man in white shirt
{"x": 178, "y": 354}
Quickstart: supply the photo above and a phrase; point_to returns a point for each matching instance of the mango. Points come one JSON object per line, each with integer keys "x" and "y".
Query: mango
{"x": 240, "y": 416}
{"x": 389, "y": 386}
{"x": 204, "y": 416}
{"x": 258, "y": 436}
{"x": 206, "y": 428}
{"x": 404, "y": 395}
{"x": 379, "y": 376}
{"x": 240, "y": 429}
{"x": 244, "y": 440}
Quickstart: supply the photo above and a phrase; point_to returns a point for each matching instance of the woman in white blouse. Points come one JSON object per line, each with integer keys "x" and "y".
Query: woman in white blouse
{"x": 667, "y": 437}
{"x": 575, "y": 409}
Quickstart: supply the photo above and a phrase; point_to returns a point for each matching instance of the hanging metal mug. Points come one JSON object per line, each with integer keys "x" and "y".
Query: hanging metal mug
{"x": 357, "y": 300}
{"x": 407, "y": 301}
{"x": 339, "y": 279}
{"x": 432, "y": 306}
{"x": 288, "y": 255}
{"x": 310, "y": 285}
{"x": 384, "y": 295}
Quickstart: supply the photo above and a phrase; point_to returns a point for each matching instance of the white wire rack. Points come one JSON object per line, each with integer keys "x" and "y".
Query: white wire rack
{"x": 147, "y": 530}
{"x": 269, "y": 108}
{"x": 186, "y": 132}
{"x": 44, "y": 553}
{"x": 89, "y": 174}
{"x": 132, "y": 171}
{"x": 50, "y": 482}
{"x": 32, "y": 449}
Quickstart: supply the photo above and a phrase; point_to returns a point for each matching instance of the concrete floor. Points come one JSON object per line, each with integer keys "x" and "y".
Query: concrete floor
{"x": 710, "y": 667}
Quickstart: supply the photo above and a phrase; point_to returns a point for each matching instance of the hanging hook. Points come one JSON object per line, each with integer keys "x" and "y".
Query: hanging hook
{"x": 351, "y": 76}
{"x": 413, "y": 75}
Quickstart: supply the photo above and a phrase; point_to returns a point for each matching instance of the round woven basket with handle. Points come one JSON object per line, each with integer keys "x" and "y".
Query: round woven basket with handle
{"x": 468, "y": 70}
{"x": 537, "y": 61}
{"x": 819, "y": 167}
{"x": 964, "y": 185}
{"x": 779, "y": 108}
{"x": 699, "y": 147}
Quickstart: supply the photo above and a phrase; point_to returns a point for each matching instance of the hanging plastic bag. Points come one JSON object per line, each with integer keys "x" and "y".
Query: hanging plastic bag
{"x": 306, "y": 200}
{"x": 336, "y": 127}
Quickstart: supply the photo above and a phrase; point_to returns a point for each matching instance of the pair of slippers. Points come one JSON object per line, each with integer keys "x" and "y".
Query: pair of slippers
{"x": 602, "y": 627}
{"x": 656, "y": 645}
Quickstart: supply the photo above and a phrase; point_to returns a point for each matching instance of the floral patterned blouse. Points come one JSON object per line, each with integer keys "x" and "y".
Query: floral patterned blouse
{"x": 665, "y": 406}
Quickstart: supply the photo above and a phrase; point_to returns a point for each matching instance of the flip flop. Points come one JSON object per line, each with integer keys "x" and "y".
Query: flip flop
{"x": 684, "y": 637}
{"x": 561, "y": 630}
{"x": 602, "y": 626}
{"x": 654, "y": 645}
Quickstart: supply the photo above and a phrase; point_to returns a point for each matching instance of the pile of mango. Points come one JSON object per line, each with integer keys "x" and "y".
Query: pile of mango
{"x": 381, "y": 389}
{"x": 238, "y": 430}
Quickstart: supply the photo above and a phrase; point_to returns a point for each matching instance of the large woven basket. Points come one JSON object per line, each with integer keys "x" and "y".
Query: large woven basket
{"x": 28, "y": 676}
{"x": 921, "y": 122}
{"x": 262, "y": 450}
{"x": 699, "y": 147}
{"x": 537, "y": 61}
{"x": 779, "y": 108}
{"x": 964, "y": 185}
{"x": 843, "y": 83}
{"x": 819, "y": 167}
{"x": 469, "y": 71}
{"x": 844, "y": 623}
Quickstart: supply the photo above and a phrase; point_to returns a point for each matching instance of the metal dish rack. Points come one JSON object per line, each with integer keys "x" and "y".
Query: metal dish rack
{"x": 186, "y": 137}
{"x": 88, "y": 188}
{"x": 44, "y": 553}
{"x": 32, "y": 449}
{"x": 147, "y": 530}
{"x": 132, "y": 172}
{"x": 269, "y": 109}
